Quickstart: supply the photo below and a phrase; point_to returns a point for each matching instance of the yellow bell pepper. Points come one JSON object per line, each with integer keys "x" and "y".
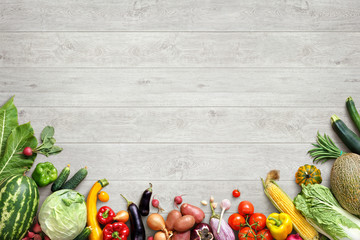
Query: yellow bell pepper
{"x": 280, "y": 225}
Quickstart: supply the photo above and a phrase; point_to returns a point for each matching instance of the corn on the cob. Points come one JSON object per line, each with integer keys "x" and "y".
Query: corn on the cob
{"x": 283, "y": 203}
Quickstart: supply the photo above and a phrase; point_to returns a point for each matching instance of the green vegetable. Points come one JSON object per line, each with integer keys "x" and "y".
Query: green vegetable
{"x": 84, "y": 234}
{"x": 351, "y": 140}
{"x": 44, "y": 174}
{"x": 354, "y": 114}
{"x": 63, "y": 215}
{"x": 321, "y": 209}
{"x": 13, "y": 161}
{"x": 8, "y": 121}
{"x": 19, "y": 201}
{"x": 325, "y": 149}
{"x": 47, "y": 146}
{"x": 59, "y": 182}
{"x": 76, "y": 179}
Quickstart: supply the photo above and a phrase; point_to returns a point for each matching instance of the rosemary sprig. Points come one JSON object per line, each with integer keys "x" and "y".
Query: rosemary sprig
{"x": 325, "y": 149}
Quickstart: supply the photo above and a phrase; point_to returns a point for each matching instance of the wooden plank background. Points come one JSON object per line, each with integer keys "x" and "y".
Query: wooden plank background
{"x": 197, "y": 97}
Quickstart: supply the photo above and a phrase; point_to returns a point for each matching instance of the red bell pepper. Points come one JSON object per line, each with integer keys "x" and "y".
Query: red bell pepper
{"x": 105, "y": 215}
{"x": 116, "y": 231}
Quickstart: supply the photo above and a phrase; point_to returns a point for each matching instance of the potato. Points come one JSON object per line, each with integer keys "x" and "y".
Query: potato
{"x": 197, "y": 213}
{"x": 181, "y": 236}
{"x": 160, "y": 236}
{"x": 171, "y": 219}
{"x": 184, "y": 223}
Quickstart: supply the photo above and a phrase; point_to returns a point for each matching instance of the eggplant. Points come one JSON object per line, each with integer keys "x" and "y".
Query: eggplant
{"x": 137, "y": 229}
{"x": 202, "y": 231}
{"x": 144, "y": 205}
{"x": 226, "y": 232}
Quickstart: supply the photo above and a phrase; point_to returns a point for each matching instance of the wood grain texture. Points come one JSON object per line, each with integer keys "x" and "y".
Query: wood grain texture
{"x": 186, "y": 15}
{"x": 188, "y": 162}
{"x": 187, "y": 87}
{"x": 181, "y": 49}
{"x": 176, "y": 125}
{"x": 198, "y": 97}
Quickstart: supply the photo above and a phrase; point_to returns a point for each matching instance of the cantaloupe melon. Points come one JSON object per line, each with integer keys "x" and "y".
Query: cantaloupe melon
{"x": 345, "y": 182}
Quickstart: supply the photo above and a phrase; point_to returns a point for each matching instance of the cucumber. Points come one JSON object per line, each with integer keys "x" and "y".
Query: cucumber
{"x": 63, "y": 176}
{"x": 354, "y": 114}
{"x": 84, "y": 234}
{"x": 351, "y": 140}
{"x": 76, "y": 179}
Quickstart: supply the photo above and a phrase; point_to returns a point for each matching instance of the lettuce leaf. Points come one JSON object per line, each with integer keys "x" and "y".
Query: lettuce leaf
{"x": 8, "y": 121}
{"x": 322, "y": 210}
{"x": 13, "y": 161}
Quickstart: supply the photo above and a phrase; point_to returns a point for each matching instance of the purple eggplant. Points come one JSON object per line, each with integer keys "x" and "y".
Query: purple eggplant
{"x": 202, "y": 231}
{"x": 226, "y": 233}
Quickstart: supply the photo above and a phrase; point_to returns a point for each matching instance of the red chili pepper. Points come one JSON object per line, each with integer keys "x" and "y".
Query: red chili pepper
{"x": 105, "y": 215}
{"x": 116, "y": 231}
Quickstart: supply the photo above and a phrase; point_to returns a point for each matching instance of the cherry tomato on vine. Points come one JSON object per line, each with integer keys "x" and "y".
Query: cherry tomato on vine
{"x": 246, "y": 233}
{"x": 264, "y": 235}
{"x": 246, "y": 208}
{"x": 236, "y": 193}
{"x": 236, "y": 221}
{"x": 257, "y": 221}
{"x": 103, "y": 196}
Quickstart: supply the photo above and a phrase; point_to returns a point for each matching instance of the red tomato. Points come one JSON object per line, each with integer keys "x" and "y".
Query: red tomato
{"x": 246, "y": 208}
{"x": 257, "y": 221}
{"x": 264, "y": 235}
{"x": 236, "y": 193}
{"x": 236, "y": 221}
{"x": 246, "y": 233}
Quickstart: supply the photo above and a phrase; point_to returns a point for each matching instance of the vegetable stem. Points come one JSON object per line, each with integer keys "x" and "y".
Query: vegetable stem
{"x": 277, "y": 222}
{"x": 334, "y": 118}
{"x": 128, "y": 202}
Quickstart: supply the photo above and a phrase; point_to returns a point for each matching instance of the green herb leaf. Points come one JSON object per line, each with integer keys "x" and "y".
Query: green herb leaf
{"x": 47, "y": 132}
{"x": 47, "y": 147}
{"x": 55, "y": 150}
{"x": 8, "y": 121}
{"x": 13, "y": 161}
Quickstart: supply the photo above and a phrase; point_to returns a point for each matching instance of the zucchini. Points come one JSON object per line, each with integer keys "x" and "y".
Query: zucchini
{"x": 354, "y": 114}
{"x": 63, "y": 176}
{"x": 84, "y": 234}
{"x": 76, "y": 179}
{"x": 351, "y": 140}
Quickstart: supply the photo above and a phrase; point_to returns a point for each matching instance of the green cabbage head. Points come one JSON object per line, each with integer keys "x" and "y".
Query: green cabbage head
{"x": 63, "y": 215}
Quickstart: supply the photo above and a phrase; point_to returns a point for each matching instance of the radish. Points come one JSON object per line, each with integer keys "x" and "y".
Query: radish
{"x": 30, "y": 235}
{"x": 46, "y": 238}
{"x": 28, "y": 151}
{"x": 37, "y": 237}
{"x": 36, "y": 228}
{"x": 156, "y": 204}
{"x": 178, "y": 200}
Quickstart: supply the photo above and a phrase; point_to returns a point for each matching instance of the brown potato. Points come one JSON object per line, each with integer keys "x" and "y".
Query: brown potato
{"x": 184, "y": 223}
{"x": 197, "y": 213}
{"x": 171, "y": 219}
{"x": 160, "y": 236}
{"x": 181, "y": 236}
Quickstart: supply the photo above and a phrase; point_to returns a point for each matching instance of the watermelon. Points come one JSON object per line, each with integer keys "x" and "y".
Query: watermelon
{"x": 19, "y": 201}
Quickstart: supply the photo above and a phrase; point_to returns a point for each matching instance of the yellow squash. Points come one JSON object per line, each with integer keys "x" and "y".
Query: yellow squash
{"x": 96, "y": 233}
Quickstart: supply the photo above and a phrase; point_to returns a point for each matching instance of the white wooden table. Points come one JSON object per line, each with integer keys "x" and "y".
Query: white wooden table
{"x": 196, "y": 97}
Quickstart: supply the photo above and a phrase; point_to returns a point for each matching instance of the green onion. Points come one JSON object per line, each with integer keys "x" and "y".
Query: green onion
{"x": 325, "y": 149}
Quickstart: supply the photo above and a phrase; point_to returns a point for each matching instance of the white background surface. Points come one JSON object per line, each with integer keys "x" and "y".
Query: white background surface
{"x": 197, "y": 97}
